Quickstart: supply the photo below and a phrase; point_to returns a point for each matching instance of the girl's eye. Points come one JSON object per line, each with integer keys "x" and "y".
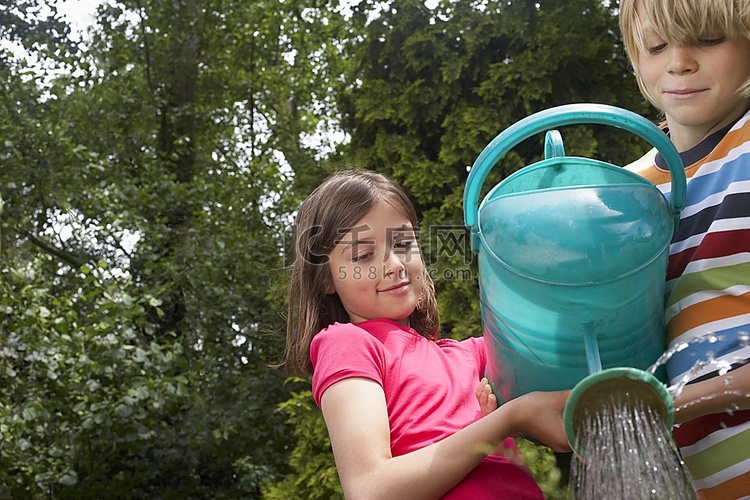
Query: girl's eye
{"x": 362, "y": 257}
{"x": 708, "y": 42}
{"x": 403, "y": 245}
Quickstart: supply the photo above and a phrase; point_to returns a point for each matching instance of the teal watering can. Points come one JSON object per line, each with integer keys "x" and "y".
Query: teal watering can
{"x": 572, "y": 256}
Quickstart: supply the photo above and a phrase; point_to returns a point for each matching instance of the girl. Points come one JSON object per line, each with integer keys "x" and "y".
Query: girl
{"x": 400, "y": 404}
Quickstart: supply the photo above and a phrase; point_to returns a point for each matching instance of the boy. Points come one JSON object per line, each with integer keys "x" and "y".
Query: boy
{"x": 692, "y": 61}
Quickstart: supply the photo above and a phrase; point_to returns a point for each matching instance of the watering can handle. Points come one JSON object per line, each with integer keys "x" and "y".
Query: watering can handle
{"x": 572, "y": 114}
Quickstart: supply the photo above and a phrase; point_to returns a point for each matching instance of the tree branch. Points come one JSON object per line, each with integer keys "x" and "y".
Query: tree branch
{"x": 75, "y": 260}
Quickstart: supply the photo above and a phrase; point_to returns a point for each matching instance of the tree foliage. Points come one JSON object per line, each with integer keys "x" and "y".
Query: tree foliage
{"x": 314, "y": 471}
{"x": 80, "y": 385}
{"x": 147, "y": 187}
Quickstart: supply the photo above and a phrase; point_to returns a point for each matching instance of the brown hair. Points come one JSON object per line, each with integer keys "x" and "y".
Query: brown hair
{"x": 682, "y": 22}
{"x": 335, "y": 206}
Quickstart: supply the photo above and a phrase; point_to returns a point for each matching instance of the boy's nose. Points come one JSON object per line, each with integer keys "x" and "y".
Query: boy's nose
{"x": 681, "y": 60}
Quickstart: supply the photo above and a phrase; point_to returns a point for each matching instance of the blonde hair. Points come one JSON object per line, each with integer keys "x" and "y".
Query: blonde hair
{"x": 682, "y": 22}
{"x": 335, "y": 206}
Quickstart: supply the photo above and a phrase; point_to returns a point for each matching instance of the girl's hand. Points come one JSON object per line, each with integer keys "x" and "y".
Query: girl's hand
{"x": 488, "y": 403}
{"x": 487, "y": 400}
{"x": 540, "y": 415}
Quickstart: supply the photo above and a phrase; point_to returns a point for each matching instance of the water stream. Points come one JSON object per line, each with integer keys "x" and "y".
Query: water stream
{"x": 628, "y": 453}
{"x": 626, "y": 450}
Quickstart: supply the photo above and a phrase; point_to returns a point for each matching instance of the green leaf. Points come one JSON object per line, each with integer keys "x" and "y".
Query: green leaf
{"x": 123, "y": 411}
{"x": 70, "y": 478}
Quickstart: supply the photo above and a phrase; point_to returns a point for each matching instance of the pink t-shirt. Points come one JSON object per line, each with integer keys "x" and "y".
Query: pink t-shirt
{"x": 429, "y": 391}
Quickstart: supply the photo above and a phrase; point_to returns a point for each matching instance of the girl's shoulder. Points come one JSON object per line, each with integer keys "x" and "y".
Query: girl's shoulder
{"x": 341, "y": 329}
{"x": 339, "y": 337}
{"x": 349, "y": 335}
{"x": 345, "y": 350}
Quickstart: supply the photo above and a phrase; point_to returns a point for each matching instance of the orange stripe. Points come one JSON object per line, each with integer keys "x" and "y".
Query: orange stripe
{"x": 729, "y": 490}
{"x": 729, "y": 142}
{"x": 659, "y": 176}
{"x": 722, "y": 307}
{"x": 656, "y": 175}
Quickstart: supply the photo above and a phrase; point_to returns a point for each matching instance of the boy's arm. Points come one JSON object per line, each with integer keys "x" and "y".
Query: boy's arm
{"x": 715, "y": 395}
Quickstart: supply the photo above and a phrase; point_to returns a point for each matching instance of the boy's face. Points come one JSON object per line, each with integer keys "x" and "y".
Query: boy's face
{"x": 695, "y": 85}
{"x": 376, "y": 268}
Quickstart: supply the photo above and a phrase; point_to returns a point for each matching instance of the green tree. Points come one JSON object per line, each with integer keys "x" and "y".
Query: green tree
{"x": 80, "y": 385}
{"x": 314, "y": 471}
{"x": 147, "y": 182}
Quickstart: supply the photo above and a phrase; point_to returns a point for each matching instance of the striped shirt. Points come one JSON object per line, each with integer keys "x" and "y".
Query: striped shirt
{"x": 708, "y": 300}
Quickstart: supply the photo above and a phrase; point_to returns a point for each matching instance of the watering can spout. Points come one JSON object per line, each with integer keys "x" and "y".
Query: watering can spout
{"x": 593, "y": 358}
{"x": 622, "y": 386}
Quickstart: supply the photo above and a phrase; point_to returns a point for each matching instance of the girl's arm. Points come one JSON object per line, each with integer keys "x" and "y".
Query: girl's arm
{"x": 715, "y": 395}
{"x": 357, "y": 420}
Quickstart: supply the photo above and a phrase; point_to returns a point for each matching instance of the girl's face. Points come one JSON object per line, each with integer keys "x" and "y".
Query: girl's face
{"x": 376, "y": 268}
{"x": 695, "y": 85}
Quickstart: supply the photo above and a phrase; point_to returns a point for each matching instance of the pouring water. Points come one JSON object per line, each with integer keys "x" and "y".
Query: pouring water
{"x": 623, "y": 440}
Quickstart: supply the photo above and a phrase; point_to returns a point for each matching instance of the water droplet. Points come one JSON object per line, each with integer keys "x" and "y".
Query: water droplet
{"x": 744, "y": 338}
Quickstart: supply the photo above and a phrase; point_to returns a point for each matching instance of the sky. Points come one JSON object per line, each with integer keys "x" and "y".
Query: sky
{"x": 79, "y": 13}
